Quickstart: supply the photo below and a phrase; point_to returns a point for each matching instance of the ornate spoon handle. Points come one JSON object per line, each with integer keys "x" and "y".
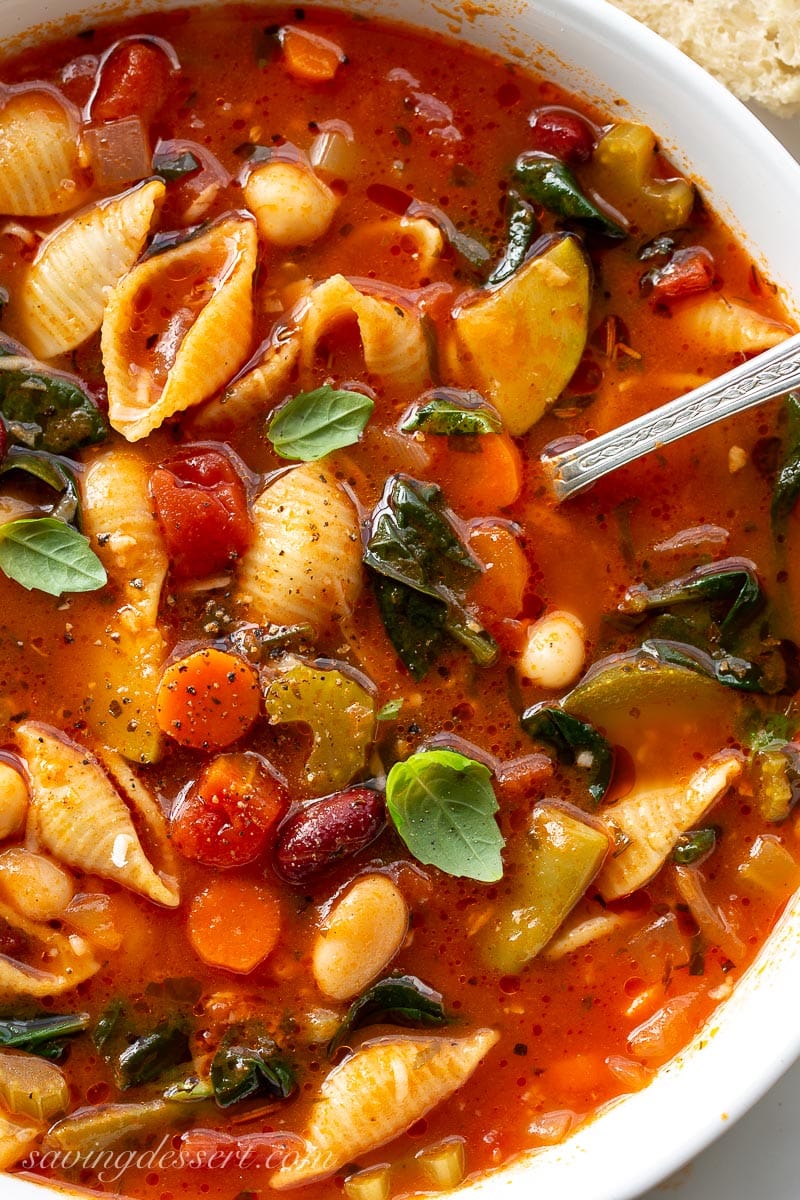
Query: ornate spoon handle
{"x": 770, "y": 374}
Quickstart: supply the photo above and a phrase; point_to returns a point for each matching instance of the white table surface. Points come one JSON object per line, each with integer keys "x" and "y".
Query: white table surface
{"x": 759, "y": 1156}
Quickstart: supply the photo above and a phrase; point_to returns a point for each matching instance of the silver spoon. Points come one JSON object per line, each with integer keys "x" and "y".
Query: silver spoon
{"x": 765, "y": 377}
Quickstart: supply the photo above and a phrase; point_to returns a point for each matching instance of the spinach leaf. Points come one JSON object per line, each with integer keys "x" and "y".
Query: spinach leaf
{"x": 443, "y": 805}
{"x": 47, "y": 410}
{"x": 150, "y": 1055}
{"x": 787, "y": 485}
{"x": 312, "y": 424}
{"x": 390, "y": 710}
{"x": 733, "y": 672}
{"x": 413, "y": 544}
{"x": 694, "y": 846}
{"x": 108, "y": 1024}
{"x": 169, "y": 239}
{"x": 551, "y": 183}
{"x": 42, "y": 1035}
{"x": 522, "y": 225}
{"x": 45, "y": 554}
{"x": 575, "y": 742}
{"x": 174, "y": 166}
{"x": 242, "y": 1069}
{"x": 51, "y": 471}
{"x": 444, "y": 416}
{"x": 396, "y": 1000}
{"x": 731, "y": 581}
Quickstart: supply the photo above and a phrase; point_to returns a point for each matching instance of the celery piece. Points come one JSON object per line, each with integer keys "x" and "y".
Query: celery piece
{"x": 773, "y": 788}
{"x": 622, "y": 172}
{"x": 561, "y": 857}
{"x": 340, "y": 714}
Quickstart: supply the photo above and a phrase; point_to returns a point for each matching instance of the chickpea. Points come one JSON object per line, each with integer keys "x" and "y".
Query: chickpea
{"x": 554, "y": 652}
{"x": 13, "y": 801}
{"x": 35, "y": 886}
{"x": 360, "y": 936}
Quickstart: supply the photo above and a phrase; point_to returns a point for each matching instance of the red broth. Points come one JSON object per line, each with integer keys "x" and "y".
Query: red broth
{"x": 414, "y": 120}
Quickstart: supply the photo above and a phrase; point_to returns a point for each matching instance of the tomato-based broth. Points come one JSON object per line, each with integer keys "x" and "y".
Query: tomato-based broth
{"x": 367, "y": 817}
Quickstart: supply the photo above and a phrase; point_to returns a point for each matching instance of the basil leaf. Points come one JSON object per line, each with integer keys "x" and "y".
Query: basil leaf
{"x": 42, "y": 1035}
{"x": 313, "y": 424}
{"x": 242, "y": 1071}
{"x": 174, "y": 166}
{"x": 52, "y": 472}
{"x": 45, "y": 554}
{"x": 522, "y": 225}
{"x": 443, "y": 416}
{"x": 397, "y": 1000}
{"x": 413, "y": 544}
{"x": 47, "y": 410}
{"x": 551, "y": 183}
{"x": 694, "y": 846}
{"x": 787, "y": 484}
{"x": 443, "y": 807}
{"x": 575, "y": 742}
{"x": 732, "y": 581}
{"x": 152, "y": 1054}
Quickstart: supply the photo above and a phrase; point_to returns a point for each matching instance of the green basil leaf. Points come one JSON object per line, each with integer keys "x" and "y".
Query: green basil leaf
{"x": 313, "y": 424}
{"x": 443, "y": 416}
{"x": 522, "y": 225}
{"x": 575, "y": 742}
{"x": 47, "y": 555}
{"x": 242, "y": 1070}
{"x": 51, "y": 471}
{"x": 443, "y": 805}
{"x": 694, "y": 846}
{"x": 551, "y": 183}
{"x": 42, "y": 1035}
{"x": 787, "y": 485}
{"x": 731, "y": 581}
{"x": 397, "y": 1000}
{"x": 47, "y": 410}
{"x": 174, "y": 166}
{"x": 152, "y": 1054}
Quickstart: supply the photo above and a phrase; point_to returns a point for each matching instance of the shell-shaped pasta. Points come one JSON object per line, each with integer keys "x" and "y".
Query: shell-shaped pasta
{"x": 123, "y": 662}
{"x": 64, "y": 292}
{"x": 17, "y": 1137}
{"x": 403, "y": 249}
{"x": 39, "y": 154}
{"x": 726, "y": 327}
{"x": 256, "y": 391}
{"x": 583, "y": 928}
{"x": 376, "y": 1094}
{"x": 79, "y": 816}
{"x": 291, "y": 205}
{"x": 394, "y": 344}
{"x": 652, "y": 821}
{"x": 13, "y": 800}
{"x": 54, "y": 962}
{"x": 304, "y": 563}
{"x": 178, "y": 326}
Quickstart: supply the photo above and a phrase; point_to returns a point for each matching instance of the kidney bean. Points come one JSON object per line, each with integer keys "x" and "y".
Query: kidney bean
{"x": 134, "y": 82}
{"x": 563, "y": 133}
{"x": 325, "y": 831}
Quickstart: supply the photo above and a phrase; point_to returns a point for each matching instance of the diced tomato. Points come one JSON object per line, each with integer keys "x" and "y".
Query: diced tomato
{"x": 229, "y": 816}
{"x": 686, "y": 273}
{"x": 134, "y": 82}
{"x": 201, "y": 504}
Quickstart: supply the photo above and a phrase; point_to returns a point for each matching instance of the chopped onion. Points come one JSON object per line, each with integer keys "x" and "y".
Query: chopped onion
{"x": 335, "y": 155}
{"x": 119, "y": 152}
{"x": 553, "y": 1127}
{"x": 771, "y": 867}
{"x": 689, "y": 539}
{"x": 630, "y": 1073}
{"x": 663, "y": 1034}
{"x": 713, "y": 923}
{"x": 468, "y": 247}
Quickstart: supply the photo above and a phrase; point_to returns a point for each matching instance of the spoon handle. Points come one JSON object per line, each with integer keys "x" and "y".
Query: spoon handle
{"x": 770, "y": 374}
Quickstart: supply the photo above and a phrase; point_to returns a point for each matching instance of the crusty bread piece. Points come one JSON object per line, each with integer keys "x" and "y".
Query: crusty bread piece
{"x": 752, "y": 46}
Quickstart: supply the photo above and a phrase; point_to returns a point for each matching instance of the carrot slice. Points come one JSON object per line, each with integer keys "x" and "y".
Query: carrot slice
{"x": 499, "y": 591}
{"x": 481, "y": 474}
{"x": 234, "y": 923}
{"x": 208, "y": 699}
{"x": 309, "y": 56}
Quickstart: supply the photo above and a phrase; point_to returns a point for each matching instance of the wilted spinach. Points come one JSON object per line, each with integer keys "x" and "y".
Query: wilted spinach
{"x": 521, "y": 227}
{"x": 246, "y": 1066}
{"x": 43, "y": 1036}
{"x": 787, "y": 484}
{"x": 551, "y": 183}
{"x": 396, "y": 1000}
{"x": 46, "y": 410}
{"x": 732, "y": 582}
{"x": 575, "y": 742}
{"x": 444, "y": 415}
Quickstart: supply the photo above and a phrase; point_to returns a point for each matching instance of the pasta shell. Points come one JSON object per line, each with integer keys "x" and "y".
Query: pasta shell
{"x": 403, "y": 249}
{"x": 123, "y": 664}
{"x": 304, "y": 563}
{"x": 713, "y": 321}
{"x": 17, "y": 1137}
{"x": 54, "y": 962}
{"x": 394, "y": 344}
{"x": 157, "y": 365}
{"x": 79, "y": 816}
{"x": 291, "y": 205}
{"x": 255, "y": 392}
{"x": 39, "y": 154}
{"x": 64, "y": 293}
{"x": 376, "y": 1094}
{"x": 653, "y": 820}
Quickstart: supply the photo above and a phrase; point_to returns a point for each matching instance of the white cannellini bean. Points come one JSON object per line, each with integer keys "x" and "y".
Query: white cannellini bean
{"x": 555, "y": 651}
{"x": 13, "y": 801}
{"x": 35, "y": 886}
{"x": 360, "y": 936}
